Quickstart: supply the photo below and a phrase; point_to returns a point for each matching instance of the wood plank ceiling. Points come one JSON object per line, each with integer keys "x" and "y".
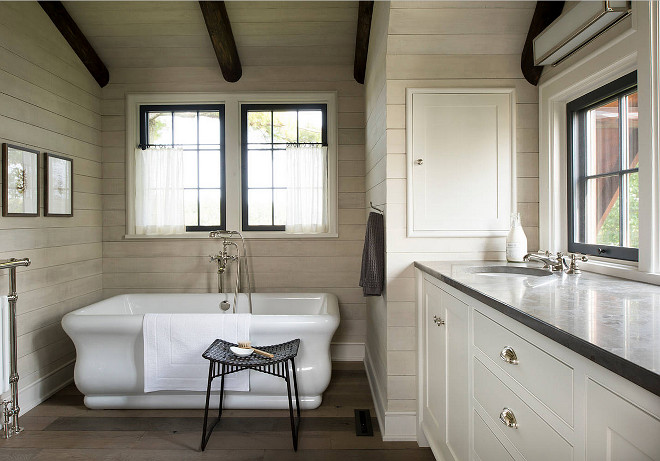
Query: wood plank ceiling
{"x": 173, "y": 34}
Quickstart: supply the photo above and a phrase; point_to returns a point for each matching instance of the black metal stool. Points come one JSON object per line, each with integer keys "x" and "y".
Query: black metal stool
{"x": 224, "y": 362}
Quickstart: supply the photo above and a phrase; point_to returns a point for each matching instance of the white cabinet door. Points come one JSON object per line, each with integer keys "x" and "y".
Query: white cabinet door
{"x": 457, "y": 359}
{"x": 618, "y": 430}
{"x": 445, "y": 418}
{"x": 460, "y": 154}
{"x": 434, "y": 401}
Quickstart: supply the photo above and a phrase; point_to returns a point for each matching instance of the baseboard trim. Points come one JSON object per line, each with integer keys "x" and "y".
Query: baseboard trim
{"x": 347, "y": 352}
{"x": 39, "y": 391}
{"x": 400, "y": 426}
{"x": 395, "y": 426}
{"x": 376, "y": 395}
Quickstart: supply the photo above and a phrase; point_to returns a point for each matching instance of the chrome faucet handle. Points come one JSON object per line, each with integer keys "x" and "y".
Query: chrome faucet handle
{"x": 573, "y": 268}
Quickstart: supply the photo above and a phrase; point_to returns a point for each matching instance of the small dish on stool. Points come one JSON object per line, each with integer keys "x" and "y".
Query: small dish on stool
{"x": 241, "y": 352}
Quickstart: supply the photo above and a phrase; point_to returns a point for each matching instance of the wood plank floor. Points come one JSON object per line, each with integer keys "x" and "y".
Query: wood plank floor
{"x": 62, "y": 428}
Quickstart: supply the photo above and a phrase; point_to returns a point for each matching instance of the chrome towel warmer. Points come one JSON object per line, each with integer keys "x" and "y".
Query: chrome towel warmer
{"x": 10, "y": 408}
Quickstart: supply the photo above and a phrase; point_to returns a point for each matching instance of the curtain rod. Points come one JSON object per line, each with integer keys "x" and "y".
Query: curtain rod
{"x": 146, "y": 146}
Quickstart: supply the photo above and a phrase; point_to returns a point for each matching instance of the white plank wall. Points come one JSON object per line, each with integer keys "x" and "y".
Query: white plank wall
{"x": 49, "y": 102}
{"x": 375, "y": 144}
{"x": 283, "y": 46}
{"x": 435, "y": 45}
{"x": 447, "y": 44}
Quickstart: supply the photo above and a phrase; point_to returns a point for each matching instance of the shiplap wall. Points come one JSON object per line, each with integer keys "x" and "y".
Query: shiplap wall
{"x": 173, "y": 54}
{"x": 49, "y": 102}
{"x": 442, "y": 45}
{"x": 375, "y": 147}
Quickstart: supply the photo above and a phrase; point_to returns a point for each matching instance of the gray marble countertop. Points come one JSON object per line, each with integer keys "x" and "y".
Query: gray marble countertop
{"x": 613, "y": 322}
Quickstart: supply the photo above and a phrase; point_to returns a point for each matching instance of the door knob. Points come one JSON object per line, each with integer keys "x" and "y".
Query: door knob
{"x": 438, "y": 321}
{"x": 419, "y": 161}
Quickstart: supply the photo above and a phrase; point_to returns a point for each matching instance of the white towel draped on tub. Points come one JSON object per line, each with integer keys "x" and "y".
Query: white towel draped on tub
{"x": 4, "y": 344}
{"x": 173, "y": 347}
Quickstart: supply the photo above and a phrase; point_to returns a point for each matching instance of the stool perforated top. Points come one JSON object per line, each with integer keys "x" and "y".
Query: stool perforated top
{"x": 219, "y": 351}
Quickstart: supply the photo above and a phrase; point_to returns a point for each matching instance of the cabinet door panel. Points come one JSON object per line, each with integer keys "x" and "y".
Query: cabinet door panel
{"x": 435, "y": 384}
{"x": 617, "y": 430}
{"x": 446, "y": 365}
{"x": 464, "y": 144}
{"x": 458, "y": 395}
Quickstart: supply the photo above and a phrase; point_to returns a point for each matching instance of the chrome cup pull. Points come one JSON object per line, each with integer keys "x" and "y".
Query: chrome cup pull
{"x": 509, "y": 355}
{"x": 508, "y": 418}
{"x": 438, "y": 321}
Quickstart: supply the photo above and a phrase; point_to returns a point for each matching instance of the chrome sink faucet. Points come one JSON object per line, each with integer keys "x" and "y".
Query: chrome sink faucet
{"x": 554, "y": 263}
{"x": 557, "y": 263}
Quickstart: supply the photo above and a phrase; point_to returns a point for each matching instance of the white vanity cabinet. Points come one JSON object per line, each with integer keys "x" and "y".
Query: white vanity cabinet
{"x": 445, "y": 401}
{"x": 518, "y": 395}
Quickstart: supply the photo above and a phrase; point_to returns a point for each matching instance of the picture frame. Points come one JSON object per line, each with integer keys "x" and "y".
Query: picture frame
{"x": 20, "y": 181}
{"x": 58, "y": 186}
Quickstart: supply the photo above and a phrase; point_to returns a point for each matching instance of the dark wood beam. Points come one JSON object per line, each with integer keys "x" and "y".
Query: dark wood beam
{"x": 365, "y": 11}
{"x": 222, "y": 38}
{"x": 544, "y": 14}
{"x": 77, "y": 40}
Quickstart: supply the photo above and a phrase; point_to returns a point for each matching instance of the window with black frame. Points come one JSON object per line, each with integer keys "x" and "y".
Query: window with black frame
{"x": 603, "y": 171}
{"x": 198, "y": 130}
{"x": 266, "y": 131}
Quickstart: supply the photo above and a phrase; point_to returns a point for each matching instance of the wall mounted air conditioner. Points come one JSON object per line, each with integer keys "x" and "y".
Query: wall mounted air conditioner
{"x": 575, "y": 28}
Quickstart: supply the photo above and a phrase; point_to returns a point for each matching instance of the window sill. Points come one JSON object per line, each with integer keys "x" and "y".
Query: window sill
{"x": 247, "y": 235}
{"x": 624, "y": 270}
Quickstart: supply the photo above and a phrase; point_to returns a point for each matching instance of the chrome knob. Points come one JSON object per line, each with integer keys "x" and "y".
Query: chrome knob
{"x": 438, "y": 321}
{"x": 419, "y": 161}
{"x": 508, "y": 418}
{"x": 509, "y": 355}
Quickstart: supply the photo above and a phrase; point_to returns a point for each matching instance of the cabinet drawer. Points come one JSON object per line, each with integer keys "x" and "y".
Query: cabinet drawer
{"x": 533, "y": 437}
{"x": 486, "y": 444}
{"x": 549, "y": 379}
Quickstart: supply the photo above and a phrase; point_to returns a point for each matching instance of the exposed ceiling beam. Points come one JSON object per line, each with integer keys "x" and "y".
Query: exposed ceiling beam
{"x": 77, "y": 40}
{"x": 365, "y": 11}
{"x": 219, "y": 27}
{"x": 544, "y": 14}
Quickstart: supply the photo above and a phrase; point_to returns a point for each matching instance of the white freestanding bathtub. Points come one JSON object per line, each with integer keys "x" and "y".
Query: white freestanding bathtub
{"x": 109, "y": 368}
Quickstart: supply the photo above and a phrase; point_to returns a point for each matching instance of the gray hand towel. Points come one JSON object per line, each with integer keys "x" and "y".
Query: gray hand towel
{"x": 372, "y": 275}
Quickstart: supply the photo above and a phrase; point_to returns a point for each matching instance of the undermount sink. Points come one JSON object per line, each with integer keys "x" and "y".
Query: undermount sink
{"x": 509, "y": 271}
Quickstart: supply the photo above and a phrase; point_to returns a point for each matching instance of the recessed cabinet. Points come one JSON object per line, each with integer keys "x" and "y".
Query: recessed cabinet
{"x": 460, "y": 155}
{"x": 445, "y": 402}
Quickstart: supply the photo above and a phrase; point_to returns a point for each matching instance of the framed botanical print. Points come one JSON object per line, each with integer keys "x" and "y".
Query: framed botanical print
{"x": 20, "y": 181}
{"x": 58, "y": 184}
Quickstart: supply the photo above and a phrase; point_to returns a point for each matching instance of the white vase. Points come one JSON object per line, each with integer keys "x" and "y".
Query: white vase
{"x": 516, "y": 241}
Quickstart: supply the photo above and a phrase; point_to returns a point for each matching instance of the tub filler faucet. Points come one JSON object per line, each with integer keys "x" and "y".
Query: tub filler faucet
{"x": 224, "y": 259}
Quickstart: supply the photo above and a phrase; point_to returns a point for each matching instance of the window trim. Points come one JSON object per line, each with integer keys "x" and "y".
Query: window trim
{"x": 144, "y": 130}
{"x": 245, "y": 108}
{"x": 232, "y": 102}
{"x": 575, "y": 118}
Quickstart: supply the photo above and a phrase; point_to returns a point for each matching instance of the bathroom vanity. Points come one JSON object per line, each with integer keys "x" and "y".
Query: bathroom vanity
{"x": 531, "y": 365}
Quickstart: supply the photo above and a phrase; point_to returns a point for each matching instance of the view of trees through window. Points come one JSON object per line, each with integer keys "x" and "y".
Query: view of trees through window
{"x": 612, "y": 162}
{"x": 198, "y": 131}
{"x": 270, "y": 128}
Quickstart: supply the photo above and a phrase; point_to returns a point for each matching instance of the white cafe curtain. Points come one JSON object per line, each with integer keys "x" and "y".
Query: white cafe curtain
{"x": 307, "y": 182}
{"x": 159, "y": 205}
